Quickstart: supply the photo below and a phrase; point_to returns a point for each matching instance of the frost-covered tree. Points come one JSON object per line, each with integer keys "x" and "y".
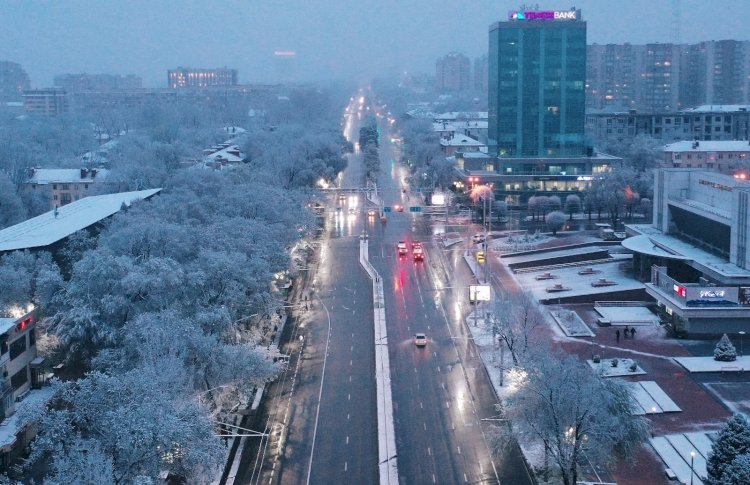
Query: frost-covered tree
{"x": 555, "y": 221}
{"x": 513, "y": 322}
{"x": 738, "y": 471}
{"x": 145, "y": 421}
{"x": 724, "y": 350}
{"x": 28, "y": 278}
{"x": 575, "y": 414}
{"x": 572, "y": 205}
{"x": 732, "y": 444}
{"x": 12, "y": 210}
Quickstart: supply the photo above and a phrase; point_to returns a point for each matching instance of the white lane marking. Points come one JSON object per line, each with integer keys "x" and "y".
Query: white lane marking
{"x": 466, "y": 479}
{"x": 349, "y": 397}
{"x": 350, "y": 362}
{"x": 351, "y": 348}
{"x": 424, "y": 425}
{"x": 347, "y": 440}
{"x": 459, "y": 449}
{"x": 348, "y": 416}
{"x": 433, "y": 478}
{"x": 429, "y": 451}
{"x": 350, "y": 378}
{"x": 346, "y": 465}
{"x": 320, "y": 392}
{"x": 420, "y": 405}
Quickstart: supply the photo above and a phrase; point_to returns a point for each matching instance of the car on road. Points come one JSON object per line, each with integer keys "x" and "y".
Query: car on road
{"x": 351, "y": 210}
{"x": 401, "y": 247}
{"x": 418, "y": 253}
{"x": 399, "y": 208}
{"x": 420, "y": 339}
{"x": 416, "y": 243}
{"x": 371, "y": 212}
{"x": 477, "y": 238}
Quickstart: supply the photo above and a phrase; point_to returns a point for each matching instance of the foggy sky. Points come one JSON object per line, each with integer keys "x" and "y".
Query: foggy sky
{"x": 354, "y": 39}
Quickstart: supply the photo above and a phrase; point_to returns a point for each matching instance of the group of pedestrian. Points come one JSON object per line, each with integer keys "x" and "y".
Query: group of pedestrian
{"x": 625, "y": 332}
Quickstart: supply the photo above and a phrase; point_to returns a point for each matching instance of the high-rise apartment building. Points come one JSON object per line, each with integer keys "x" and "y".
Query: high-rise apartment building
{"x": 537, "y": 75}
{"x": 452, "y": 73}
{"x": 655, "y": 78}
{"x": 185, "y": 77}
{"x": 13, "y": 81}
{"x": 481, "y": 74}
{"x": 74, "y": 83}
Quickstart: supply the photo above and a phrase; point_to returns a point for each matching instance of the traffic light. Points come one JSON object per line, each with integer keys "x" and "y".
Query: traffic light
{"x": 480, "y": 257}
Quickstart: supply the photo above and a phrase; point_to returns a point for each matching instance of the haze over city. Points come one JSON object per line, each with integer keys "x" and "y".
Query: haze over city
{"x": 333, "y": 40}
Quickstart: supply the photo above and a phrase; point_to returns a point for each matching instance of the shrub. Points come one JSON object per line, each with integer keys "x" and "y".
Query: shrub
{"x": 597, "y": 359}
{"x": 615, "y": 362}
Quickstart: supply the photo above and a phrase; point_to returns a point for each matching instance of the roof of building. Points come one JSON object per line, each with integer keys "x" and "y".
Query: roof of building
{"x": 462, "y": 115}
{"x": 708, "y": 146}
{"x": 49, "y": 228}
{"x": 679, "y": 249}
{"x": 459, "y": 125}
{"x": 44, "y": 176}
{"x": 459, "y": 140}
{"x": 6, "y": 323}
{"x": 718, "y": 108}
{"x": 12, "y": 425}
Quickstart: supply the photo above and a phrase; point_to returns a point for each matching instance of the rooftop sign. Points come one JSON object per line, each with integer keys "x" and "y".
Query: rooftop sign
{"x": 543, "y": 15}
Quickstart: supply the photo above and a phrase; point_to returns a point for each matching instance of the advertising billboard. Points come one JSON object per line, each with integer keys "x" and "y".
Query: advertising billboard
{"x": 543, "y": 15}
{"x": 479, "y": 293}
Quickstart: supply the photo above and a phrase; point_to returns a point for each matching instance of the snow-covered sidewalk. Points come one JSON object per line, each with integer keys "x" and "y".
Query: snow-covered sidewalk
{"x": 684, "y": 454}
{"x": 652, "y": 399}
{"x": 708, "y": 364}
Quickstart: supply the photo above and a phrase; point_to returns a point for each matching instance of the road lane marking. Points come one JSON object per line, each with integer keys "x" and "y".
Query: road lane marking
{"x": 420, "y": 405}
{"x": 433, "y": 478}
{"x": 346, "y": 465}
{"x": 351, "y": 348}
{"x": 320, "y": 392}
{"x": 350, "y": 362}
{"x": 347, "y": 416}
{"x": 349, "y": 397}
{"x": 466, "y": 479}
{"x": 459, "y": 450}
{"x": 347, "y": 440}
{"x": 429, "y": 451}
{"x": 350, "y": 378}
{"x": 425, "y": 426}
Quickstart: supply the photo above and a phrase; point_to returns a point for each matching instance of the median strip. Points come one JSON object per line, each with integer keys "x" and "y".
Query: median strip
{"x": 387, "y": 462}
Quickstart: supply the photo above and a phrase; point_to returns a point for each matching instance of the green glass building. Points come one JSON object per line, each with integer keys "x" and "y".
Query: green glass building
{"x": 537, "y": 78}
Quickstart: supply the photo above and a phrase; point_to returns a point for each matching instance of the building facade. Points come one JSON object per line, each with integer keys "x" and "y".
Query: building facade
{"x": 728, "y": 157}
{"x": 537, "y": 74}
{"x": 185, "y": 77}
{"x": 695, "y": 256}
{"x": 13, "y": 81}
{"x": 45, "y": 102}
{"x": 74, "y": 83}
{"x": 453, "y": 73}
{"x": 703, "y": 123}
{"x": 61, "y": 186}
{"x": 481, "y": 74}
{"x": 655, "y": 78}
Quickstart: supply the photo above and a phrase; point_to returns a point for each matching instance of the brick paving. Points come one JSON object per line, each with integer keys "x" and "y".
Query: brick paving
{"x": 701, "y": 409}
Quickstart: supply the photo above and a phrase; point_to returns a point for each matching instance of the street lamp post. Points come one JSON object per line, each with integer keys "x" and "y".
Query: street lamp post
{"x": 742, "y": 334}
{"x": 692, "y": 471}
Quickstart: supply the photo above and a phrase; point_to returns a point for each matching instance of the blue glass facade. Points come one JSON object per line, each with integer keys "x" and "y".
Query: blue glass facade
{"x": 537, "y": 74}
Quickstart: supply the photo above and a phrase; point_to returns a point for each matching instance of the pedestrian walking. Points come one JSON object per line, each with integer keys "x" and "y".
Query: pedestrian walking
{"x": 617, "y": 334}
{"x": 626, "y": 331}
{"x": 632, "y": 332}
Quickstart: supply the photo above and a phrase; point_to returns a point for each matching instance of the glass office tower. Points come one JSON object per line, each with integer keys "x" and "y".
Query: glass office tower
{"x": 537, "y": 74}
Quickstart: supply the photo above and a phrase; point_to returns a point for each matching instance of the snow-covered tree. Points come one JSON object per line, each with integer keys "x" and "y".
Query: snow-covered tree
{"x": 738, "y": 471}
{"x": 572, "y": 205}
{"x": 575, "y": 414}
{"x": 513, "y": 322}
{"x": 732, "y": 443}
{"x": 12, "y": 210}
{"x": 724, "y": 350}
{"x": 555, "y": 221}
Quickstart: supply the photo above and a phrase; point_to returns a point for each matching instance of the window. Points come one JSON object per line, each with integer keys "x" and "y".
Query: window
{"x": 18, "y": 347}
{"x": 19, "y": 378}
{"x": 54, "y": 186}
{"x": 65, "y": 186}
{"x": 54, "y": 197}
{"x": 32, "y": 337}
{"x": 86, "y": 186}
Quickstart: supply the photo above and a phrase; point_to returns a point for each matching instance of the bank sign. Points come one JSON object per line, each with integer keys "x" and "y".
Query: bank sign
{"x": 707, "y": 295}
{"x": 543, "y": 15}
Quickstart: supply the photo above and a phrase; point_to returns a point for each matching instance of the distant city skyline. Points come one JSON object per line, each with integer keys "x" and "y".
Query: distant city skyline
{"x": 356, "y": 40}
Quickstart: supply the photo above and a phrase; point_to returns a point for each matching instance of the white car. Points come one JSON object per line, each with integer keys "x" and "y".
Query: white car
{"x": 420, "y": 339}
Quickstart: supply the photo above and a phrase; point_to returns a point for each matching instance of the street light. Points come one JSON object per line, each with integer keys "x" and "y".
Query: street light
{"x": 692, "y": 461}
{"x": 742, "y": 333}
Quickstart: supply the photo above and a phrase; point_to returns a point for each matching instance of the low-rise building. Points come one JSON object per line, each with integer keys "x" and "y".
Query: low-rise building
{"x": 21, "y": 381}
{"x": 65, "y": 185}
{"x": 459, "y": 142}
{"x": 695, "y": 256}
{"x": 45, "y": 102}
{"x": 728, "y": 157}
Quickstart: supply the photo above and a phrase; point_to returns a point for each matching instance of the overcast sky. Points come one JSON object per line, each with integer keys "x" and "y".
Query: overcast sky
{"x": 334, "y": 39}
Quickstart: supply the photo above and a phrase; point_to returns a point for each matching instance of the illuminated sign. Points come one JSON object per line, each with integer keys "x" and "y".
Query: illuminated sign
{"x": 702, "y": 295}
{"x": 479, "y": 292}
{"x": 543, "y": 15}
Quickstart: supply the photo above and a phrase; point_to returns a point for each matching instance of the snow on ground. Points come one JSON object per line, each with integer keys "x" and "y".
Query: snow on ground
{"x": 606, "y": 369}
{"x": 685, "y": 454}
{"x": 579, "y": 284}
{"x": 627, "y": 315}
{"x": 557, "y": 253}
{"x": 571, "y": 323}
{"x": 651, "y": 398}
{"x": 708, "y": 364}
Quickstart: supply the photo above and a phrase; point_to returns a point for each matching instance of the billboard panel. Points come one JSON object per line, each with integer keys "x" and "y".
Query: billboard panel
{"x": 479, "y": 293}
{"x": 711, "y": 295}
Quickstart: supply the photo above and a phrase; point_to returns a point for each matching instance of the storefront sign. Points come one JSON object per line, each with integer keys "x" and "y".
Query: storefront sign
{"x": 706, "y": 295}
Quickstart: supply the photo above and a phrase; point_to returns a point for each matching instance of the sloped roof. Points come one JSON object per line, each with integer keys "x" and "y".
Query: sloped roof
{"x": 46, "y": 229}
